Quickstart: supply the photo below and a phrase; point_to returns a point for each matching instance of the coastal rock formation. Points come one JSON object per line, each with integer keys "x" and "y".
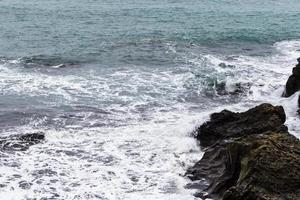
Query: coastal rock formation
{"x": 293, "y": 83}
{"x": 227, "y": 124}
{"x": 20, "y": 142}
{"x": 248, "y": 156}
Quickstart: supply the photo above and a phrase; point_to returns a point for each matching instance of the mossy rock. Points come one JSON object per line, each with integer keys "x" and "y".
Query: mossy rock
{"x": 269, "y": 167}
{"x": 244, "y": 165}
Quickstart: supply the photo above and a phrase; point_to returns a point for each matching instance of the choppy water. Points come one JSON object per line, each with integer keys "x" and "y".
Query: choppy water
{"x": 119, "y": 86}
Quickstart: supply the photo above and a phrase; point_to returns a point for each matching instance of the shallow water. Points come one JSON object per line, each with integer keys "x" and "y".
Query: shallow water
{"x": 118, "y": 88}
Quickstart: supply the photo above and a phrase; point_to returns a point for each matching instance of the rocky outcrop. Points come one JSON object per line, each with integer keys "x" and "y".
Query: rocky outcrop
{"x": 248, "y": 156}
{"x": 227, "y": 124}
{"x": 293, "y": 83}
{"x": 20, "y": 142}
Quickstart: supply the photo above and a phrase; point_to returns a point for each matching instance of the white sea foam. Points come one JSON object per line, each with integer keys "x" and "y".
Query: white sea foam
{"x": 268, "y": 76}
{"x": 145, "y": 145}
{"x": 140, "y": 161}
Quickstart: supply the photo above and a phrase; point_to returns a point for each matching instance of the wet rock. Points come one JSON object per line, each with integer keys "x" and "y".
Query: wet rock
{"x": 292, "y": 86}
{"x": 269, "y": 167}
{"x": 223, "y": 65}
{"x": 298, "y": 104}
{"x": 249, "y": 156}
{"x": 20, "y": 142}
{"x": 296, "y": 71}
{"x": 234, "y": 89}
{"x": 220, "y": 88}
{"x": 240, "y": 88}
{"x": 32, "y": 138}
{"x": 293, "y": 82}
{"x": 227, "y": 124}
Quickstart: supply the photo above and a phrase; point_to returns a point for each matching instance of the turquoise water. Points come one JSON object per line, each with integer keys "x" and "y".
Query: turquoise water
{"x": 119, "y": 86}
{"x": 97, "y": 30}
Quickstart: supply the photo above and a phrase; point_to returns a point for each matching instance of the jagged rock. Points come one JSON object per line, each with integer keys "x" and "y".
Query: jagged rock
{"x": 250, "y": 156}
{"x": 269, "y": 168}
{"x": 227, "y": 124}
{"x": 20, "y": 142}
{"x": 293, "y": 82}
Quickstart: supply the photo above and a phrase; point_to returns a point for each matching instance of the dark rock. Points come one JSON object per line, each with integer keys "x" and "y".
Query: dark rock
{"x": 32, "y": 137}
{"x": 240, "y": 88}
{"x": 269, "y": 167}
{"x": 298, "y": 104}
{"x": 248, "y": 156}
{"x": 293, "y": 82}
{"x": 20, "y": 142}
{"x": 237, "y": 88}
{"x": 223, "y": 65}
{"x": 296, "y": 71}
{"x": 220, "y": 88}
{"x": 227, "y": 124}
{"x": 217, "y": 169}
{"x": 292, "y": 86}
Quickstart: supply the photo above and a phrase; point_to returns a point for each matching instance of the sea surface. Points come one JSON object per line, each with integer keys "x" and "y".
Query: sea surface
{"x": 118, "y": 87}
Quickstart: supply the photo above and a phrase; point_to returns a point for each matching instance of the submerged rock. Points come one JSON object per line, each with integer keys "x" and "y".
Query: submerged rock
{"x": 223, "y": 65}
{"x": 20, "y": 142}
{"x": 293, "y": 82}
{"x": 234, "y": 89}
{"x": 248, "y": 156}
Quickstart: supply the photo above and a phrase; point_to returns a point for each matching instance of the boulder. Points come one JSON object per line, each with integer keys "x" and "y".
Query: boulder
{"x": 292, "y": 86}
{"x": 293, "y": 82}
{"x": 250, "y": 156}
{"x": 227, "y": 124}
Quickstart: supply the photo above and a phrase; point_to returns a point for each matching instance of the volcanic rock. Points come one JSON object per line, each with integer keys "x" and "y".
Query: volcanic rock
{"x": 227, "y": 124}
{"x": 248, "y": 156}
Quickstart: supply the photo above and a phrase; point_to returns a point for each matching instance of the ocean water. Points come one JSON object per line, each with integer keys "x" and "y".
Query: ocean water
{"x": 119, "y": 86}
